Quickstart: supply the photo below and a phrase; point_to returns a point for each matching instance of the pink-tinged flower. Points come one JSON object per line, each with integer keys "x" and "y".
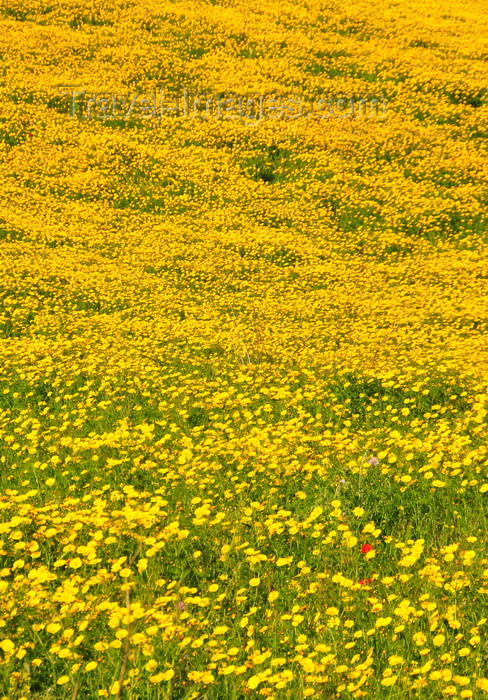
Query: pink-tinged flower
{"x": 180, "y": 606}
{"x": 366, "y": 548}
{"x": 374, "y": 461}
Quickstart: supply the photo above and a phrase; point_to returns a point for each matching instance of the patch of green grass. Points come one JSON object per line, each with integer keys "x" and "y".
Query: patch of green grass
{"x": 80, "y": 20}
{"x": 468, "y": 98}
{"x": 271, "y": 164}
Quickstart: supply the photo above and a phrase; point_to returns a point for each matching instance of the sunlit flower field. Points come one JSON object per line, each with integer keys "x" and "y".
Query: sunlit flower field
{"x": 244, "y": 364}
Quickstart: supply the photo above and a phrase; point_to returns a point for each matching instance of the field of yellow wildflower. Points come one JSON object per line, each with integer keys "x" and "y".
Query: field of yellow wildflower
{"x": 243, "y": 361}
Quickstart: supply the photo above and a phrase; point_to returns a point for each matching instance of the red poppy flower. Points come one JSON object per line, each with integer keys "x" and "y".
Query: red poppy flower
{"x": 364, "y": 581}
{"x": 366, "y": 548}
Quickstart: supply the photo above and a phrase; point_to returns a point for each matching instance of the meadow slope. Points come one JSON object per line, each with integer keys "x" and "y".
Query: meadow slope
{"x": 244, "y": 366}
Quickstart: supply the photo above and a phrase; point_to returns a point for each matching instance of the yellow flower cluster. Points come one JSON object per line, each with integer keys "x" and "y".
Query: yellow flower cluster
{"x": 243, "y": 366}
